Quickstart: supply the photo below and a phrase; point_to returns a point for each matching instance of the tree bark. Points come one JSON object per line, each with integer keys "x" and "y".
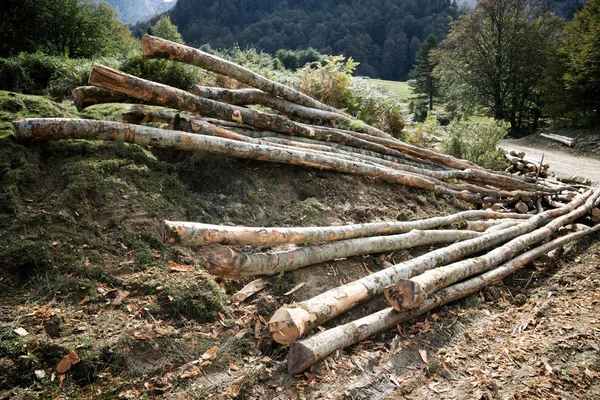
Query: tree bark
{"x": 85, "y": 96}
{"x": 291, "y": 322}
{"x": 412, "y": 293}
{"x": 197, "y": 234}
{"x": 227, "y": 263}
{"x": 307, "y": 352}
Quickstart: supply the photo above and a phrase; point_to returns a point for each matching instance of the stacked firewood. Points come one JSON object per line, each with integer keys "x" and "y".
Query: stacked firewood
{"x": 475, "y": 248}
{"x": 526, "y": 166}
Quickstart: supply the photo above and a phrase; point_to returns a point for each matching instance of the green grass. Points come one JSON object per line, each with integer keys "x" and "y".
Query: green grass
{"x": 401, "y": 89}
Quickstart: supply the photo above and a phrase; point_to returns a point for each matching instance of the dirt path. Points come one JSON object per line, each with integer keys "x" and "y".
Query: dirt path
{"x": 561, "y": 162}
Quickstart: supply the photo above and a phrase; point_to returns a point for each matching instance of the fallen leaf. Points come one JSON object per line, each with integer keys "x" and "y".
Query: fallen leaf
{"x": 211, "y": 353}
{"x": 173, "y": 266}
{"x": 85, "y": 300}
{"x": 126, "y": 262}
{"x": 423, "y": 354}
{"x": 61, "y": 379}
{"x": 234, "y": 367}
{"x": 119, "y": 299}
{"x": 54, "y": 243}
{"x": 294, "y": 289}
{"x": 67, "y": 362}
{"x": 265, "y": 359}
{"x": 21, "y": 332}
{"x": 253, "y": 287}
{"x": 190, "y": 372}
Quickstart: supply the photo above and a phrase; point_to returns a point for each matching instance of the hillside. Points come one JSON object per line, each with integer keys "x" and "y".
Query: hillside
{"x": 132, "y": 11}
{"x": 383, "y": 35}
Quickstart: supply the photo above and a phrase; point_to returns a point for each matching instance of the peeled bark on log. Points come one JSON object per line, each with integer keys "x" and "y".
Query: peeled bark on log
{"x": 307, "y": 352}
{"x": 560, "y": 139}
{"x": 85, "y": 96}
{"x": 197, "y": 234}
{"x": 227, "y": 263}
{"x": 503, "y": 225}
{"x": 413, "y": 292}
{"x": 153, "y": 47}
{"x": 482, "y": 225}
{"x": 291, "y": 322}
{"x": 243, "y": 97}
{"x": 57, "y": 128}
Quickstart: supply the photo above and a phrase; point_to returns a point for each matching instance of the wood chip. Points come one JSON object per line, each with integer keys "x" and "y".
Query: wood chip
{"x": 253, "y": 287}
{"x": 173, "y": 266}
{"x": 294, "y": 289}
{"x": 21, "y": 332}
{"x": 67, "y": 362}
{"x": 423, "y": 354}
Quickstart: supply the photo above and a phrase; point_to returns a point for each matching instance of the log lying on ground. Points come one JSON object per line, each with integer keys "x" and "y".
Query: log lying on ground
{"x": 243, "y": 97}
{"x": 291, "y": 322}
{"x": 197, "y": 234}
{"x": 85, "y": 96}
{"x": 58, "y": 128}
{"x": 227, "y": 263}
{"x": 560, "y": 139}
{"x": 307, "y": 352}
{"x": 413, "y": 292}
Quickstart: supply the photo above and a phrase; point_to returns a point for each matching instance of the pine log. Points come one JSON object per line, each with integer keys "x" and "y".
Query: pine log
{"x": 560, "y": 139}
{"x": 85, "y": 96}
{"x": 482, "y": 225}
{"x": 503, "y": 225}
{"x": 57, "y": 128}
{"x": 307, "y": 352}
{"x": 197, "y": 234}
{"x": 243, "y": 97}
{"x": 413, "y": 292}
{"x": 225, "y": 262}
{"x": 291, "y": 322}
{"x": 521, "y": 207}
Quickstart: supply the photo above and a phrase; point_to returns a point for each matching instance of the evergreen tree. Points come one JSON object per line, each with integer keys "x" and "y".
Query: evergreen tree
{"x": 165, "y": 29}
{"x": 424, "y": 82}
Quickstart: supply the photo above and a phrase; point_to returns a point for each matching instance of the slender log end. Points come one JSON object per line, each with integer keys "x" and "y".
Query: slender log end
{"x": 405, "y": 294}
{"x": 155, "y": 47}
{"x": 284, "y": 326}
{"x": 220, "y": 260}
{"x": 300, "y": 358}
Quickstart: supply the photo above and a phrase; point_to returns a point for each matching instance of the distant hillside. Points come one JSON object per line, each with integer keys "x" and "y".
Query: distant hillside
{"x": 132, "y": 11}
{"x": 384, "y": 35}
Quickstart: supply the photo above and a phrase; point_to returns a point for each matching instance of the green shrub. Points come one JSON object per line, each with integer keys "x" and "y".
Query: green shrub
{"x": 27, "y": 73}
{"x": 296, "y": 59}
{"x": 477, "y": 142}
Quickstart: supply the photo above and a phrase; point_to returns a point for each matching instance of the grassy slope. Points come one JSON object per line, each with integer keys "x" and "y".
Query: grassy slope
{"x": 401, "y": 89}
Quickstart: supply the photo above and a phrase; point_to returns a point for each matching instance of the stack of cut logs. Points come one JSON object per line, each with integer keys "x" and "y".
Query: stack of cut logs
{"x": 472, "y": 248}
{"x": 525, "y": 166}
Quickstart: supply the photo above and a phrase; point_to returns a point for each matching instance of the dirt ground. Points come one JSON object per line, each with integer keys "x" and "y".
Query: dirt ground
{"x": 84, "y": 276}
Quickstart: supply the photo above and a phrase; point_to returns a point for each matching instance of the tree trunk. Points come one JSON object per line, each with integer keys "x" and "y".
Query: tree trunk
{"x": 412, "y": 293}
{"x": 197, "y": 234}
{"x": 307, "y": 352}
{"x": 227, "y": 263}
{"x": 85, "y": 96}
{"x": 560, "y": 139}
{"x": 291, "y": 322}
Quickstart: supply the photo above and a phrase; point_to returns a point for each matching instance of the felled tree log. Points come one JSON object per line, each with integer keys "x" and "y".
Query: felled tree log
{"x": 503, "y": 225}
{"x": 57, "y": 128}
{"x": 197, "y": 234}
{"x": 227, "y": 263}
{"x": 85, "y": 96}
{"x": 292, "y": 321}
{"x": 413, "y": 292}
{"x": 242, "y": 97}
{"x": 560, "y": 139}
{"x": 307, "y": 352}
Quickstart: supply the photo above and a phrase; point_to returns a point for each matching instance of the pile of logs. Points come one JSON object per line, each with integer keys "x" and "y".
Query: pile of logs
{"x": 525, "y": 166}
{"x": 473, "y": 248}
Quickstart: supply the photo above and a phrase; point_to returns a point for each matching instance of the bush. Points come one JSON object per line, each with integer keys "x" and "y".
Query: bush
{"x": 27, "y": 73}
{"x": 296, "y": 59}
{"x": 477, "y": 142}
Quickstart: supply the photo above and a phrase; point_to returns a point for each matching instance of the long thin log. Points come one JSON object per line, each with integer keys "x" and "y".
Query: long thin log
{"x": 413, "y": 292}
{"x": 227, "y": 263}
{"x": 242, "y": 97}
{"x": 197, "y": 234}
{"x": 154, "y": 47}
{"x": 57, "y": 128}
{"x": 292, "y": 321}
{"x": 307, "y": 352}
{"x": 85, "y": 96}
{"x": 560, "y": 139}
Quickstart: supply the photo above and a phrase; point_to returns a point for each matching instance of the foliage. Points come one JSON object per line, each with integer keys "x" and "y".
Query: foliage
{"x": 296, "y": 59}
{"x": 493, "y": 58}
{"x": 477, "y": 142}
{"x": 165, "y": 29}
{"x": 383, "y": 35}
{"x": 424, "y": 82}
{"x": 71, "y": 28}
{"x": 329, "y": 81}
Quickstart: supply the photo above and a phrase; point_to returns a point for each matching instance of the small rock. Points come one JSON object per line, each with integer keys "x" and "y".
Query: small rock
{"x": 21, "y": 332}
{"x": 40, "y": 374}
{"x": 519, "y": 300}
{"x": 126, "y": 196}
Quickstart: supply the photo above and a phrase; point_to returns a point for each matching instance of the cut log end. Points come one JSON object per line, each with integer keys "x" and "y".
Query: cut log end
{"x": 219, "y": 260}
{"x": 300, "y": 358}
{"x": 284, "y": 327}
{"x": 404, "y": 295}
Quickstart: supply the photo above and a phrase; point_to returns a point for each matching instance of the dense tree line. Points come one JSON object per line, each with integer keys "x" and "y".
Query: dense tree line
{"x": 383, "y": 35}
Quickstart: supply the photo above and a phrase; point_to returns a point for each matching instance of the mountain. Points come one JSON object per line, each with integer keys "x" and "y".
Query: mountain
{"x": 383, "y": 35}
{"x": 132, "y": 11}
